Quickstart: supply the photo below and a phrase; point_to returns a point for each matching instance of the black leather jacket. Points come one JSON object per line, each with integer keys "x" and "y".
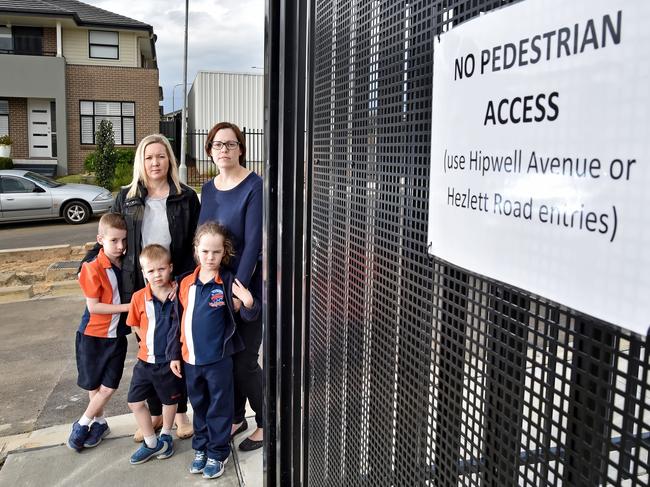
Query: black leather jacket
{"x": 182, "y": 215}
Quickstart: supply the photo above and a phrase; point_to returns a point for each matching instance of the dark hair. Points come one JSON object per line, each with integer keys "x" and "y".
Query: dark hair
{"x": 240, "y": 138}
{"x": 213, "y": 228}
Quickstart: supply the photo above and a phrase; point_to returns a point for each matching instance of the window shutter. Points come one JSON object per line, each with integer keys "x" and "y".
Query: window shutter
{"x": 87, "y": 132}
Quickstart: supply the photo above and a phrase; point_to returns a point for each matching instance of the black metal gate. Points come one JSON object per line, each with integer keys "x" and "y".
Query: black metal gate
{"x": 171, "y": 129}
{"x": 417, "y": 372}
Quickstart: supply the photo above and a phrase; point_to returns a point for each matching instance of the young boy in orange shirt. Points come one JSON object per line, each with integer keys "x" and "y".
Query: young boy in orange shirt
{"x": 154, "y": 318}
{"x": 101, "y": 339}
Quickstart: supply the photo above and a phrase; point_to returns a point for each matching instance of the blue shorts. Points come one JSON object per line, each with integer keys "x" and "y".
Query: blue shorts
{"x": 100, "y": 361}
{"x": 155, "y": 380}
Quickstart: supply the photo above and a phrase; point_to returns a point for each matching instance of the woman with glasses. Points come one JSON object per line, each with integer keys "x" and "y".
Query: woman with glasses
{"x": 234, "y": 199}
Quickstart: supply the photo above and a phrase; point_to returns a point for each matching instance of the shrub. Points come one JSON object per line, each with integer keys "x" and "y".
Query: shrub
{"x": 123, "y": 175}
{"x": 6, "y": 163}
{"x": 89, "y": 162}
{"x": 105, "y": 155}
{"x": 122, "y": 156}
{"x": 5, "y": 140}
{"x": 126, "y": 156}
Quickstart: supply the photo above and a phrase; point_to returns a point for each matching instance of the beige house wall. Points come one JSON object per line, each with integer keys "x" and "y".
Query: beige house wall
{"x": 76, "y": 49}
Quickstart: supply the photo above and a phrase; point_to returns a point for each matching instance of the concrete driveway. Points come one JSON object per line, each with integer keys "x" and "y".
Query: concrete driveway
{"x": 44, "y": 233}
{"x": 37, "y": 366}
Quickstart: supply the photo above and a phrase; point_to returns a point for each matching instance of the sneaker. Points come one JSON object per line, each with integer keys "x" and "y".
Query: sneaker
{"x": 169, "y": 449}
{"x": 213, "y": 468}
{"x": 198, "y": 464}
{"x": 78, "y": 436}
{"x": 96, "y": 433}
{"x": 145, "y": 453}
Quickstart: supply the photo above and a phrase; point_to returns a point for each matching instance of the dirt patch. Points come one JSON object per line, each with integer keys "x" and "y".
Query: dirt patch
{"x": 32, "y": 269}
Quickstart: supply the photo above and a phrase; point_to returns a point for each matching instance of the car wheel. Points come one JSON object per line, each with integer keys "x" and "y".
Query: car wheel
{"x": 76, "y": 212}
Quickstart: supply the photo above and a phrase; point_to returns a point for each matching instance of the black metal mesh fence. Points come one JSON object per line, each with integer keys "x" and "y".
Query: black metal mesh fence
{"x": 422, "y": 373}
{"x": 200, "y": 168}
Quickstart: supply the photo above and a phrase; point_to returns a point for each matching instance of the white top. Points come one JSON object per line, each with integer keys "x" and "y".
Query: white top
{"x": 155, "y": 226}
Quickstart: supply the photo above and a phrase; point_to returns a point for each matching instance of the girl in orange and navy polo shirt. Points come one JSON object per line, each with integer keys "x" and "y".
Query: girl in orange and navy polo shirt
{"x": 210, "y": 298}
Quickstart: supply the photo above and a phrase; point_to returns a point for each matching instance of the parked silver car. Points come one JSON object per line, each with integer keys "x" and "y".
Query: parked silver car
{"x": 25, "y": 195}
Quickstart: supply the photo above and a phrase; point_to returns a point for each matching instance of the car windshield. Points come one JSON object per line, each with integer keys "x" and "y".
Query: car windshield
{"x": 44, "y": 180}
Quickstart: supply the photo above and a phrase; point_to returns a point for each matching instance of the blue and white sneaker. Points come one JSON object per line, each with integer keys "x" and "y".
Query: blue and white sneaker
{"x": 198, "y": 464}
{"x": 97, "y": 432}
{"x": 169, "y": 448}
{"x": 145, "y": 453}
{"x": 77, "y": 436}
{"x": 214, "y": 468}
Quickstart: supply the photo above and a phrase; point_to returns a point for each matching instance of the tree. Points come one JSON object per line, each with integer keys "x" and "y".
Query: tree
{"x": 105, "y": 155}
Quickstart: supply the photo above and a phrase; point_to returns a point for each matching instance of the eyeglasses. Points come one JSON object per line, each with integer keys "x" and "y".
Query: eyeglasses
{"x": 218, "y": 145}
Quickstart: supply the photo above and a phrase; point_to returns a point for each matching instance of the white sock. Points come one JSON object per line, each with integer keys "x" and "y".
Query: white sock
{"x": 100, "y": 419}
{"x": 166, "y": 431}
{"x": 151, "y": 441}
{"x": 84, "y": 420}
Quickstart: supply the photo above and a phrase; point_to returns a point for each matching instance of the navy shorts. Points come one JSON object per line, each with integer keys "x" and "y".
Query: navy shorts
{"x": 100, "y": 361}
{"x": 155, "y": 380}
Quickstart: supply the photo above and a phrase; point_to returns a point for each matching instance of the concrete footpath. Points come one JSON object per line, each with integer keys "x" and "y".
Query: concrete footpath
{"x": 41, "y": 459}
{"x": 40, "y": 400}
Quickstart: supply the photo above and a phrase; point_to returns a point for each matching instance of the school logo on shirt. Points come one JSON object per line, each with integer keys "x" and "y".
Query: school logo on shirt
{"x": 216, "y": 298}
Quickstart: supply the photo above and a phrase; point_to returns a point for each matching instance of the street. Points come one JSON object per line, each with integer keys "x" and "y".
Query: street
{"x": 43, "y": 233}
{"x": 38, "y": 375}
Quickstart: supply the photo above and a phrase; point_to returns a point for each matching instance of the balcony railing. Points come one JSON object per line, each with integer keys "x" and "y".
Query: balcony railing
{"x": 22, "y": 52}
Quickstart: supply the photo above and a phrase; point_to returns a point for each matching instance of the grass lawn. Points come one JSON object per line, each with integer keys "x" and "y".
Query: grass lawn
{"x": 78, "y": 178}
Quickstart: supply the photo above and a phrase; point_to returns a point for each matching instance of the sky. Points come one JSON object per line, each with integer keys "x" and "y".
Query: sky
{"x": 223, "y": 35}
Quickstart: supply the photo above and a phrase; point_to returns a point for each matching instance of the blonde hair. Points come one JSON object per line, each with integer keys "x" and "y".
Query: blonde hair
{"x": 139, "y": 173}
{"x": 213, "y": 228}
{"x": 111, "y": 220}
{"x": 155, "y": 253}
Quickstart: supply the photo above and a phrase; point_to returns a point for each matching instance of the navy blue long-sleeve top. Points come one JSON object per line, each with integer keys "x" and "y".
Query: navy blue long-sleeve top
{"x": 239, "y": 210}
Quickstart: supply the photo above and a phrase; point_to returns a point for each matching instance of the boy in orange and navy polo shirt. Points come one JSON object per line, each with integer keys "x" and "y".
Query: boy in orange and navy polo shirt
{"x": 154, "y": 318}
{"x": 101, "y": 339}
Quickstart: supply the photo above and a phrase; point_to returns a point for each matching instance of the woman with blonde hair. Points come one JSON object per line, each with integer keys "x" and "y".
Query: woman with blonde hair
{"x": 158, "y": 209}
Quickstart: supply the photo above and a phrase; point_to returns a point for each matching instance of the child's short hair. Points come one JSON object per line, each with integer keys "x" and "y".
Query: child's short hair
{"x": 111, "y": 220}
{"x": 213, "y": 228}
{"x": 155, "y": 253}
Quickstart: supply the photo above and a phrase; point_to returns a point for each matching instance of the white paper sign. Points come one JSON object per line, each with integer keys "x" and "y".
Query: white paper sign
{"x": 540, "y": 157}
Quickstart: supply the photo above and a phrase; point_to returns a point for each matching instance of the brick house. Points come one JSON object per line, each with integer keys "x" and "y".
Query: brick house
{"x": 65, "y": 66}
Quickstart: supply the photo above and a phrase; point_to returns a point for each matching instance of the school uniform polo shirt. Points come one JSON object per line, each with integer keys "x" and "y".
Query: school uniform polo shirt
{"x": 102, "y": 280}
{"x": 204, "y": 319}
{"x": 155, "y": 321}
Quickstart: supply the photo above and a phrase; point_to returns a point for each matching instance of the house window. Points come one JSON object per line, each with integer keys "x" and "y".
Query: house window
{"x": 28, "y": 41}
{"x": 6, "y": 42}
{"x": 4, "y": 117}
{"x": 120, "y": 114}
{"x": 103, "y": 44}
